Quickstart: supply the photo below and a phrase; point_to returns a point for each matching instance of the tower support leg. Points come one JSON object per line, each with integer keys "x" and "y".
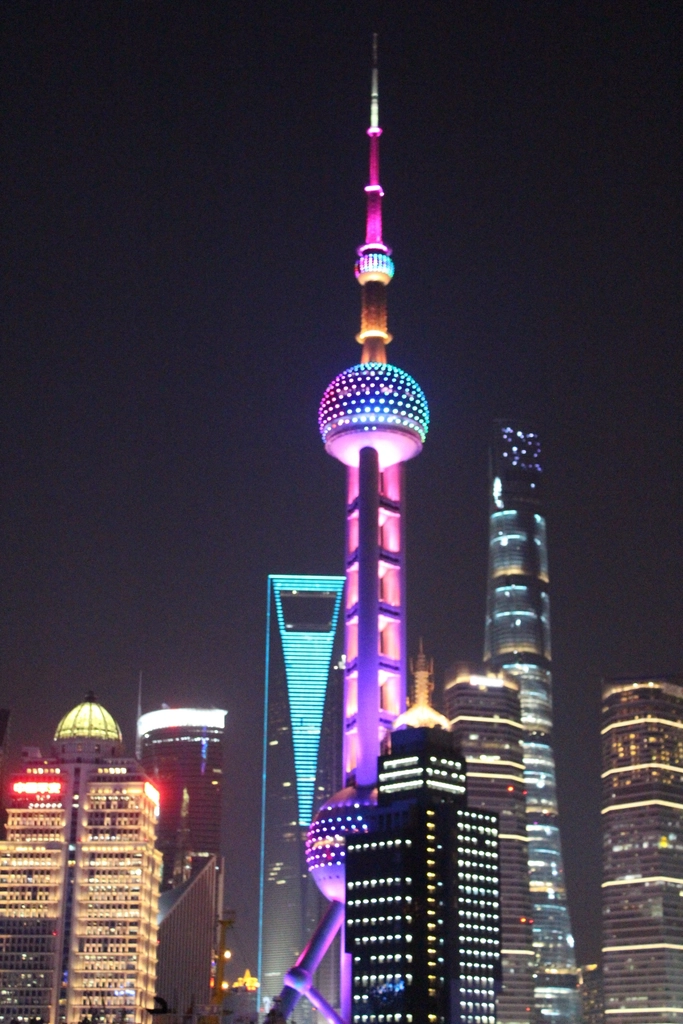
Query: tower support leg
{"x": 298, "y": 980}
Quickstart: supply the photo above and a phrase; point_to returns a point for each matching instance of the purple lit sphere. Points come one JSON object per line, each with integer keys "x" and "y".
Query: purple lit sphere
{"x": 373, "y": 405}
{"x": 326, "y": 838}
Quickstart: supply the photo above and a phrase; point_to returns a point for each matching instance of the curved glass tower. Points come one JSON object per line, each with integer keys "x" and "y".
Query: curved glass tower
{"x": 518, "y": 642}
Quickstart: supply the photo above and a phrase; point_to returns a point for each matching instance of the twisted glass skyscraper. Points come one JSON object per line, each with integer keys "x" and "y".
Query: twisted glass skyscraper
{"x": 518, "y": 642}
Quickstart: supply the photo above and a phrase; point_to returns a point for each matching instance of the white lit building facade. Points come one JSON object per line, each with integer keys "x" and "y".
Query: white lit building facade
{"x": 485, "y": 718}
{"x": 642, "y": 816}
{"x": 79, "y": 881}
{"x": 423, "y": 893}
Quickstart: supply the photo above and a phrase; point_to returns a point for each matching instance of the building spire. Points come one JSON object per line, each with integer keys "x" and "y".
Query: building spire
{"x": 421, "y": 714}
{"x": 374, "y": 267}
{"x": 374, "y": 94}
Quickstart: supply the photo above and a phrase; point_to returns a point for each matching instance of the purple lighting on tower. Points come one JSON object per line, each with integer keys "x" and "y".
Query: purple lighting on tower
{"x": 373, "y": 418}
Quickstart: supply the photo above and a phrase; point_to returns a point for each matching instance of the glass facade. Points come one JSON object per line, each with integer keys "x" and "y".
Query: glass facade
{"x": 307, "y": 610}
{"x": 642, "y": 902}
{"x": 517, "y": 642}
{"x": 181, "y": 749}
{"x": 79, "y": 887}
{"x": 423, "y": 893}
{"x": 485, "y": 716}
{"x": 301, "y": 764}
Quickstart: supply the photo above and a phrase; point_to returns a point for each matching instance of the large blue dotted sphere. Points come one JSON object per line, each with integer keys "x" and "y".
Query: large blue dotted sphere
{"x": 373, "y": 399}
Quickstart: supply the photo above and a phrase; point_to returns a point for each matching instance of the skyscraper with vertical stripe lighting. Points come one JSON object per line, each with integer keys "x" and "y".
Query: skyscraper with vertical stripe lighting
{"x": 303, "y": 613}
{"x": 517, "y": 642}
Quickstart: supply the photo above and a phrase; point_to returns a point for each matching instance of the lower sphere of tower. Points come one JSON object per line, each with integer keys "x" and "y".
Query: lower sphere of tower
{"x": 326, "y": 838}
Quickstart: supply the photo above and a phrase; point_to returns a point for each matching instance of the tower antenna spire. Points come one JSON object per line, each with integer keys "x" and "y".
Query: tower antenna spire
{"x": 374, "y": 92}
{"x": 374, "y": 267}
{"x": 138, "y": 746}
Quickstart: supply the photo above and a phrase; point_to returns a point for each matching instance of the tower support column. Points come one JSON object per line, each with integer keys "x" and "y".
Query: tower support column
{"x": 368, "y": 617}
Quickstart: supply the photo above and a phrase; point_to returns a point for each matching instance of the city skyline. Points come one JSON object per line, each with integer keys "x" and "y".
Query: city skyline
{"x": 146, "y": 455}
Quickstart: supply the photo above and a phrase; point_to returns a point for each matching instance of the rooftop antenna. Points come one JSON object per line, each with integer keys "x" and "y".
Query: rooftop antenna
{"x": 374, "y": 93}
{"x": 138, "y": 749}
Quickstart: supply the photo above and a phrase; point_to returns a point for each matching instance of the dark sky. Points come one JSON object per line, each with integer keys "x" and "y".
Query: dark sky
{"x": 182, "y": 195}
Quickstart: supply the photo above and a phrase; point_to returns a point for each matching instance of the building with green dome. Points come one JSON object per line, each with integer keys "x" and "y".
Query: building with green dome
{"x": 88, "y": 720}
{"x": 79, "y": 879}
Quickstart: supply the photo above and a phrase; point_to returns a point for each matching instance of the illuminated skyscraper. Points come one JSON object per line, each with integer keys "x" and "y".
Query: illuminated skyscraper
{"x": 301, "y": 637}
{"x": 485, "y": 716}
{"x": 423, "y": 892}
{"x": 518, "y": 643}
{"x": 181, "y": 749}
{"x": 79, "y": 880}
{"x": 642, "y": 814}
{"x": 373, "y": 417}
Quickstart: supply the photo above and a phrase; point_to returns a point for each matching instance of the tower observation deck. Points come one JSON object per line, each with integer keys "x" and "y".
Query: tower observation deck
{"x": 373, "y": 418}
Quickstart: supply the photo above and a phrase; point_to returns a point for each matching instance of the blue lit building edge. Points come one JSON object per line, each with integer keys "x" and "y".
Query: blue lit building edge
{"x": 307, "y": 658}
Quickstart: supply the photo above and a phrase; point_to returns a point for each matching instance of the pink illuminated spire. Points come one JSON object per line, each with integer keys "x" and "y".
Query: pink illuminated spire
{"x": 373, "y": 231}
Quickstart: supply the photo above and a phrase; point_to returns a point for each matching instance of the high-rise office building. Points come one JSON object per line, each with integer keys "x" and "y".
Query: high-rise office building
{"x": 485, "y": 716}
{"x": 188, "y": 922}
{"x": 422, "y": 892}
{"x": 517, "y": 642}
{"x": 299, "y": 759}
{"x": 79, "y": 880}
{"x": 589, "y": 984}
{"x": 642, "y": 814}
{"x": 181, "y": 749}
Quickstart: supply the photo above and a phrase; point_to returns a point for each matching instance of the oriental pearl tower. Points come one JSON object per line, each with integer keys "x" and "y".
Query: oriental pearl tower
{"x": 373, "y": 418}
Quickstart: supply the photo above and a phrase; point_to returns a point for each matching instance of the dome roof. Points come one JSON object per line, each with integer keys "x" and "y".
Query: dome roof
{"x": 374, "y": 405}
{"x": 422, "y": 716}
{"x": 88, "y": 721}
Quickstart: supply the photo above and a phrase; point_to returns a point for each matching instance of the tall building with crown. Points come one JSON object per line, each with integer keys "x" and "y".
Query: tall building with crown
{"x": 79, "y": 880}
{"x": 517, "y": 642}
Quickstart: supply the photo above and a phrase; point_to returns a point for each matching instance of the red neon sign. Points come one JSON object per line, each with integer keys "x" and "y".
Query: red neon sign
{"x": 32, "y": 787}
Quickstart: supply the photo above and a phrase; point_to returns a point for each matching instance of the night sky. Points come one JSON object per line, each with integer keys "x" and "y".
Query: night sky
{"x": 182, "y": 195}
